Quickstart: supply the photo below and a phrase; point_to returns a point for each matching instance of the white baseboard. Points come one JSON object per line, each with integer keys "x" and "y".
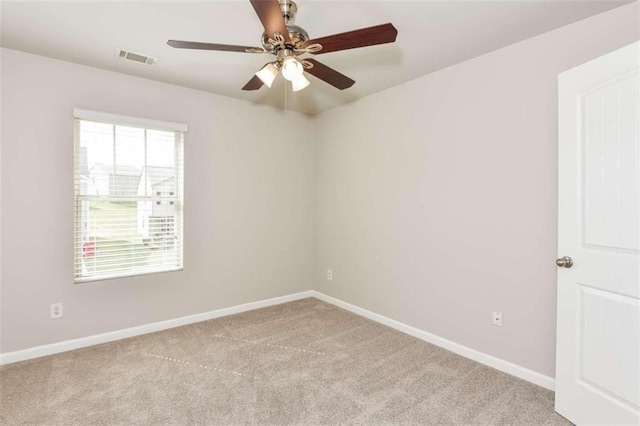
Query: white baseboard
{"x": 481, "y": 357}
{"x": 83, "y": 342}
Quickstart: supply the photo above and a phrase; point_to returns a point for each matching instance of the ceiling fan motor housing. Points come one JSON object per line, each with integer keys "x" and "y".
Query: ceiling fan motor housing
{"x": 297, "y": 35}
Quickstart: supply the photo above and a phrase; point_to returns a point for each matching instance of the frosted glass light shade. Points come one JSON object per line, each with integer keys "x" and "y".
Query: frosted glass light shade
{"x": 267, "y": 74}
{"x": 299, "y": 83}
{"x": 291, "y": 68}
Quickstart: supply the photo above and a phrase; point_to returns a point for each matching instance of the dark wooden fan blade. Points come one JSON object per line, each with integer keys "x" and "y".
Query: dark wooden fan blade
{"x": 380, "y": 34}
{"x": 271, "y": 17}
{"x": 254, "y": 84}
{"x": 329, "y": 75}
{"x": 179, "y": 44}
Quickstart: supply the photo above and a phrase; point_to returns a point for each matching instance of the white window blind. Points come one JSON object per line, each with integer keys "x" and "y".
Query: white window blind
{"x": 128, "y": 196}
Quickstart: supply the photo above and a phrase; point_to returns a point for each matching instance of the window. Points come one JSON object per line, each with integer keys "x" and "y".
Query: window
{"x": 128, "y": 196}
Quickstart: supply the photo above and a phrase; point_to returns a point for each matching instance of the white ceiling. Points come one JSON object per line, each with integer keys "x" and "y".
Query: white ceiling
{"x": 431, "y": 35}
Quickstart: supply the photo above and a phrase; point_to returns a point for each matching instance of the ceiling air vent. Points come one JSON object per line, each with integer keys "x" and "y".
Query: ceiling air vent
{"x": 136, "y": 57}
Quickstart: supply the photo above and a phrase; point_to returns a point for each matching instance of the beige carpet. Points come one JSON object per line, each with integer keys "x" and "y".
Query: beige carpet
{"x": 304, "y": 362}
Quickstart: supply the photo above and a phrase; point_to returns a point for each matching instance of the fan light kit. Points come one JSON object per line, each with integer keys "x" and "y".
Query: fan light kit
{"x": 268, "y": 73}
{"x": 287, "y": 42}
{"x": 291, "y": 68}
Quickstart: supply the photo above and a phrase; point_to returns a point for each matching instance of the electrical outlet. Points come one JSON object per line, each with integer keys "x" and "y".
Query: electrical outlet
{"x": 329, "y": 274}
{"x": 497, "y": 319}
{"x": 56, "y": 310}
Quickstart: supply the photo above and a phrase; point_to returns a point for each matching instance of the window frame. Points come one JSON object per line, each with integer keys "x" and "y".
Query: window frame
{"x": 177, "y": 199}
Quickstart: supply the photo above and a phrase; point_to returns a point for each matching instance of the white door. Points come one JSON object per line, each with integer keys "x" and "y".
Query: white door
{"x": 598, "y": 331}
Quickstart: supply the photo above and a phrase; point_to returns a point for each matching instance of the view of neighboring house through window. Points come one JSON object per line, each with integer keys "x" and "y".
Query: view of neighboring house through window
{"x": 128, "y": 196}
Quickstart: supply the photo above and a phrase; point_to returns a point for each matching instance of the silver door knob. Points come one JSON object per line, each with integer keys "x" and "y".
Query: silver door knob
{"x": 564, "y": 262}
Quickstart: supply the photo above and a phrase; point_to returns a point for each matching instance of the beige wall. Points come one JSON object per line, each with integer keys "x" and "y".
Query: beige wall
{"x": 248, "y": 203}
{"x": 436, "y": 199}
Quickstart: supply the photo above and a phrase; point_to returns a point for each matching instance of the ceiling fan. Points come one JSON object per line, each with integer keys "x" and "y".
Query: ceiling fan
{"x": 287, "y": 42}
